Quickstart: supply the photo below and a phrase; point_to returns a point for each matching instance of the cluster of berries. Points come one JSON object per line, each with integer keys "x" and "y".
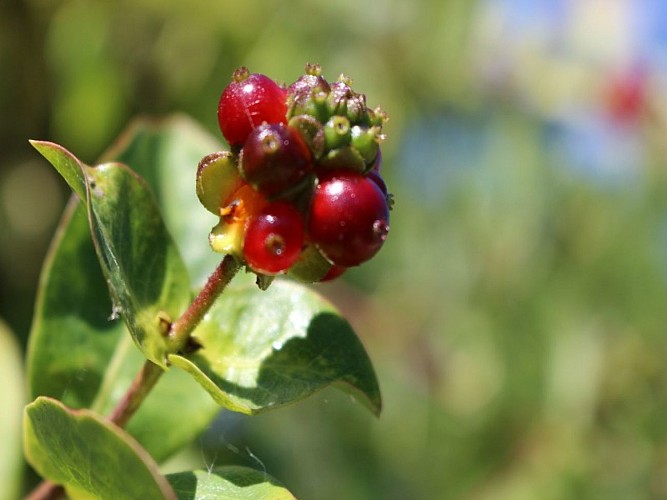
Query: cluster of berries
{"x": 300, "y": 191}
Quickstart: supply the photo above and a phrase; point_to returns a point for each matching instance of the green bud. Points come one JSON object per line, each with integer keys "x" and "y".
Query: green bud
{"x": 337, "y": 132}
{"x": 311, "y": 131}
{"x": 377, "y": 117}
{"x": 367, "y": 142}
{"x": 313, "y": 69}
{"x": 337, "y": 98}
{"x": 346, "y": 158}
{"x": 308, "y": 95}
{"x": 356, "y": 109}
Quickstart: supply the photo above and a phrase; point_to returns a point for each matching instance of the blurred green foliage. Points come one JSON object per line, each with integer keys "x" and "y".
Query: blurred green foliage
{"x": 515, "y": 314}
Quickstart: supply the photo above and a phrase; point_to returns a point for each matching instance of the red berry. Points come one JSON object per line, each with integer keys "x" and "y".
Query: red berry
{"x": 274, "y": 159}
{"x": 274, "y": 238}
{"x": 349, "y": 218}
{"x": 248, "y": 101}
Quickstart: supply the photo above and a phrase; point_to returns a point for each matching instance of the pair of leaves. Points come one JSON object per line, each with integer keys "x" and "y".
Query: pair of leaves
{"x": 96, "y": 459}
{"x": 260, "y": 350}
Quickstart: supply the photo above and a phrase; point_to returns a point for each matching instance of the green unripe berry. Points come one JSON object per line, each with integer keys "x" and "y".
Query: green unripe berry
{"x": 337, "y": 132}
{"x": 366, "y": 141}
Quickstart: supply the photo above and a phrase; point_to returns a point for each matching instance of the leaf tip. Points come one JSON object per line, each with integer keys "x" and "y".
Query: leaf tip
{"x": 40, "y": 145}
{"x": 370, "y": 398}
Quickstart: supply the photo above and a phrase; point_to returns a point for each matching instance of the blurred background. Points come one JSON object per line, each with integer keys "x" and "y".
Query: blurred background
{"x": 517, "y": 313}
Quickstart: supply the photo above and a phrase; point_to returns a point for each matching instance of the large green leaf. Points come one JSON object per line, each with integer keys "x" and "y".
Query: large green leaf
{"x": 73, "y": 337}
{"x": 227, "y": 483}
{"x": 145, "y": 271}
{"x": 89, "y": 456}
{"x": 78, "y": 354}
{"x": 166, "y": 153}
{"x": 12, "y": 397}
{"x": 146, "y": 276}
{"x": 264, "y": 349}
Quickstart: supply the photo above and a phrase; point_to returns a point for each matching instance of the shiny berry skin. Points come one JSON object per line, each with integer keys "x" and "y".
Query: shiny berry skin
{"x": 349, "y": 218}
{"x": 274, "y": 159}
{"x": 274, "y": 238}
{"x": 247, "y": 102}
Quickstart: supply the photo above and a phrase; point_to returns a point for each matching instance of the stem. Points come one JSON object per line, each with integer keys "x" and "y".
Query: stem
{"x": 179, "y": 335}
{"x": 141, "y": 386}
{"x": 181, "y": 329}
{"x": 46, "y": 490}
{"x": 150, "y": 373}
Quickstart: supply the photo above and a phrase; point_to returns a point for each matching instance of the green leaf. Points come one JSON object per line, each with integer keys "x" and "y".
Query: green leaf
{"x": 230, "y": 482}
{"x": 261, "y": 350}
{"x": 72, "y": 339}
{"x": 12, "y": 397}
{"x": 146, "y": 276}
{"x": 67, "y": 165}
{"x": 166, "y": 153}
{"x": 141, "y": 263}
{"x": 79, "y": 355}
{"x": 89, "y": 456}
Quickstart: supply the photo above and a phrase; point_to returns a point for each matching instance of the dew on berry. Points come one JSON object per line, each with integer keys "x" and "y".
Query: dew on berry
{"x": 381, "y": 229}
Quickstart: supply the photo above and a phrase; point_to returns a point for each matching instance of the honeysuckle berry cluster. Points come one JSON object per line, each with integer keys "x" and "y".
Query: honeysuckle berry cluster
{"x": 300, "y": 191}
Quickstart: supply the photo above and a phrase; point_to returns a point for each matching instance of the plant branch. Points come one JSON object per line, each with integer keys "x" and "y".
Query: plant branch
{"x": 180, "y": 330}
{"x": 141, "y": 386}
{"x": 179, "y": 334}
{"x": 46, "y": 490}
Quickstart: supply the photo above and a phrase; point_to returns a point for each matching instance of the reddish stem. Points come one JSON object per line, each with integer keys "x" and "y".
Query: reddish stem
{"x": 46, "y": 490}
{"x": 182, "y": 328}
{"x": 142, "y": 384}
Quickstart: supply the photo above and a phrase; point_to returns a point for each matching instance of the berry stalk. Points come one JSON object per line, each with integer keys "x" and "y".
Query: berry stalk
{"x": 141, "y": 386}
{"x": 179, "y": 333}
